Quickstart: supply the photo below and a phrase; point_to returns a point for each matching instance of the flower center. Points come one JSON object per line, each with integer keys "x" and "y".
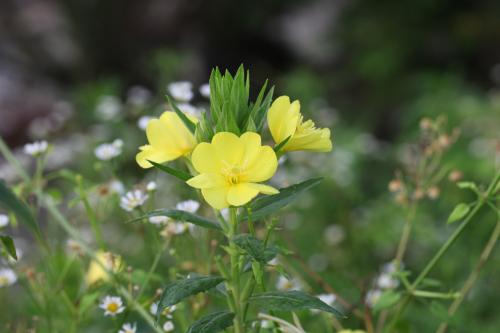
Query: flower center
{"x": 233, "y": 174}
{"x": 112, "y": 307}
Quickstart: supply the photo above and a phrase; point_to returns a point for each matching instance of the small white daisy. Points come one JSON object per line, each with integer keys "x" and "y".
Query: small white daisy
{"x": 117, "y": 187}
{"x": 284, "y": 284}
{"x": 175, "y": 228}
{"x": 112, "y": 305}
{"x": 36, "y": 148}
{"x": 143, "y": 122}
{"x": 387, "y": 281}
{"x": 190, "y": 206}
{"x": 372, "y": 297}
{"x": 133, "y": 199}
{"x": 167, "y": 312}
{"x": 189, "y": 109}
{"x": 108, "y": 151}
{"x": 205, "y": 90}
{"x": 181, "y": 91}
{"x": 7, "y": 277}
{"x": 168, "y": 326}
{"x": 128, "y": 328}
{"x": 158, "y": 220}
{"x": 108, "y": 107}
{"x": 151, "y": 186}
{"x": 4, "y": 220}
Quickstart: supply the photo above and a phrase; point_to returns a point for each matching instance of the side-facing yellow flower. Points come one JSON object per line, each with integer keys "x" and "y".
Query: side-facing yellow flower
{"x": 285, "y": 120}
{"x": 168, "y": 139}
{"x": 97, "y": 273}
{"x": 231, "y": 167}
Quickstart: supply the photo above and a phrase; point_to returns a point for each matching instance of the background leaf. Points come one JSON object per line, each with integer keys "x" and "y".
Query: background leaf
{"x": 181, "y": 215}
{"x": 212, "y": 323}
{"x": 171, "y": 171}
{"x": 458, "y": 212}
{"x": 269, "y": 204}
{"x": 178, "y": 290}
{"x": 10, "y": 201}
{"x": 386, "y": 300}
{"x": 291, "y": 301}
{"x": 9, "y": 246}
{"x": 255, "y": 248}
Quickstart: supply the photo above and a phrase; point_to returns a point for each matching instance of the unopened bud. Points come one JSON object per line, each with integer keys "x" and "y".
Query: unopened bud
{"x": 433, "y": 192}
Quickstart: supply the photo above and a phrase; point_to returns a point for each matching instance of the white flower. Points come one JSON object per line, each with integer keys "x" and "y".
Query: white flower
{"x": 117, "y": 187}
{"x": 112, "y": 305}
{"x": 7, "y": 277}
{"x": 36, "y": 148}
{"x": 225, "y": 213}
{"x": 176, "y": 228}
{"x": 181, "y": 91}
{"x": 4, "y": 220}
{"x": 143, "y": 122}
{"x": 190, "y": 206}
{"x": 334, "y": 234}
{"x": 168, "y": 326}
{"x": 372, "y": 297}
{"x": 205, "y": 90}
{"x": 273, "y": 262}
{"x": 166, "y": 312}
{"x": 132, "y": 200}
{"x": 158, "y": 220}
{"x": 284, "y": 284}
{"x": 386, "y": 281}
{"x": 108, "y": 151}
{"x": 266, "y": 324}
{"x": 138, "y": 96}
{"x": 108, "y": 107}
{"x": 189, "y": 109}
{"x": 128, "y": 328}
{"x": 151, "y": 186}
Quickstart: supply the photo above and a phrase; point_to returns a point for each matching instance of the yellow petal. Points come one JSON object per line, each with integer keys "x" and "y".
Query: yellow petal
{"x": 229, "y": 147}
{"x": 317, "y": 140}
{"x": 150, "y": 153}
{"x": 264, "y": 166}
{"x": 252, "y": 146}
{"x": 240, "y": 194}
{"x": 265, "y": 189}
{"x": 176, "y": 133}
{"x": 205, "y": 158}
{"x": 216, "y": 196}
{"x": 282, "y": 118}
{"x": 206, "y": 180}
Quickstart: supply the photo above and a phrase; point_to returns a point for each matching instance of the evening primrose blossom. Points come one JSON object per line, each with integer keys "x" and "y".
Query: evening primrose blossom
{"x": 168, "y": 139}
{"x": 286, "y": 121}
{"x": 231, "y": 169}
{"x": 112, "y": 305}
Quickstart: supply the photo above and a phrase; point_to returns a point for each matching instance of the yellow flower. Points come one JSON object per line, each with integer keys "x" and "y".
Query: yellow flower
{"x": 231, "y": 167}
{"x": 285, "y": 120}
{"x": 97, "y": 273}
{"x": 168, "y": 139}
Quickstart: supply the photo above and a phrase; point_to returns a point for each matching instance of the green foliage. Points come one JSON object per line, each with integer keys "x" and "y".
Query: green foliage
{"x": 212, "y": 323}
{"x": 171, "y": 171}
{"x": 255, "y": 248}
{"x": 291, "y": 301}
{"x": 387, "y": 300}
{"x": 266, "y": 205}
{"x": 189, "y": 124}
{"x": 181, "y": 215}
{"x": 10, "y": 201}
{"x": 459, "y": 212}
{"x": 9, "y": 246}
{"x": 176, "y": 291}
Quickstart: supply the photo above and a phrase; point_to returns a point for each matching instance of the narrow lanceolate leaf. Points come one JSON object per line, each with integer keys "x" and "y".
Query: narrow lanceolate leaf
{"x": 181, "y": 215}
{"x": 291, "y": 301}
{"x": 280, "y": 145}
{"x": 386, "y": 300}
{"x": 8, "y": 244}
{"x": 269, "y": 204}
{"x": 9, "y": 201}
{"x": 189, "y": 124}
{"x": 458, "y": 212}
{"x": 184, "y": 176}
{"x": 178, "y": 290}
{"x": 256, "y": 248}
{"x": 212, "y": 323}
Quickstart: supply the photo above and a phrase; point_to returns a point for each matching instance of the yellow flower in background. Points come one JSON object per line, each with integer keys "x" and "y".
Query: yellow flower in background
{"x": 231, "y": 167}
{"x": 351, "y": 331}
{"x": 97, "y": 273}
{"x": 285, "y": 120}
{"x": 168, "y": 139}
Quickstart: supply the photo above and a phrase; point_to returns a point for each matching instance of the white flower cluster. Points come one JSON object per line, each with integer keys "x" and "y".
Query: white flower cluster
{"x": 133, "y": 199}
{"x": 384, "y": 281}
{"x": 108, "y": 151}
{"x": 168, "y": 326}
{"x": 7, "y": 277}
{"x": 36, "y": 148}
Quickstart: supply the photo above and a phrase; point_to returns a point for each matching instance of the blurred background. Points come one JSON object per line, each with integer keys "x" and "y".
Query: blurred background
{"x": 370, "y": 70}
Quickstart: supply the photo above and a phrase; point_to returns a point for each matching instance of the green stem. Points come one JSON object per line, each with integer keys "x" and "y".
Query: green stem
{"x": 94, "y": 223}
{"x": 13, "y": 161}
{"x": 235, "y": 272}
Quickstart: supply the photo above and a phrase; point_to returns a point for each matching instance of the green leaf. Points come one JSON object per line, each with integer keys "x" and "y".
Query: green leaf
{"x": 181, "y": 215}
{"x": 9, "y": 200}
{"x": 189, "y": 124}
{"x": 87, "y": 301}
{"x": 458, "y": 212}
{"x": 8, "y": 244}
{"x": 468, "y": 185}
{"x": 212, "y": 323}
{"x": 291, "y": 301}
{"x": 178, "y": 290}
{"x": 171, "y": 171}
{"x": 269, "y": 204}
{"x": 280, "y": 145}
{"x": 255, "y": 248}
{"x": 386, "y": 300}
